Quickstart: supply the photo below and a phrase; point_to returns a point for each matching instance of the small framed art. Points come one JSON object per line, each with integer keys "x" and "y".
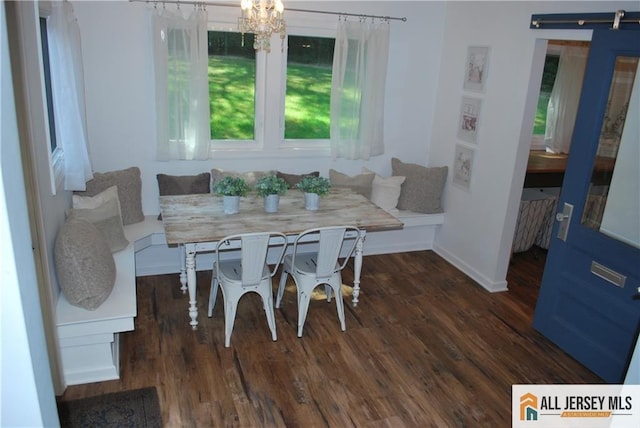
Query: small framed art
{"x": 463, "y": 166}
{"x": 476, "y": 68}
{"x": 469, "y": 119}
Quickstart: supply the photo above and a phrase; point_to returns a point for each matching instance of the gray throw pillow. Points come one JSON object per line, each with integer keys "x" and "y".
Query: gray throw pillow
{"x": 293, "y": 179}
{"x": 422, "y": 188}
{"x": 129, "y": 191}
{"x": 84, "y": 264}
{"x": 361, "y": 183}
{"x": 184, "y": 184}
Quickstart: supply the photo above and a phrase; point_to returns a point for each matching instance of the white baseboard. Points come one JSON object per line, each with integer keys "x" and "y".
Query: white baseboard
{"x": 483, "y": 281}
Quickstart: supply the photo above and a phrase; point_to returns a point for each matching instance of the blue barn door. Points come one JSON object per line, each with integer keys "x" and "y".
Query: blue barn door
{"x": 588, "y": 303}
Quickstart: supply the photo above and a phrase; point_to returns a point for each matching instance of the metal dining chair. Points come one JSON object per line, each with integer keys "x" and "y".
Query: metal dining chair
{"x": 248, "y": 273}
{"x": 321, "y": 267}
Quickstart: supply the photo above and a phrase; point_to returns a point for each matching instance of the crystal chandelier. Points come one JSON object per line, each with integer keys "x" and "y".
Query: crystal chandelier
{"x": 262, "y": 18}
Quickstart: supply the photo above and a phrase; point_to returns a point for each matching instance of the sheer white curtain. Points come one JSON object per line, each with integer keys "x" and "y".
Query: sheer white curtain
{"x": 67, "y": 86}
{"x": 563, "y": 102}
{"x": 358, "y": 86}
{"x": 181, "y": 83}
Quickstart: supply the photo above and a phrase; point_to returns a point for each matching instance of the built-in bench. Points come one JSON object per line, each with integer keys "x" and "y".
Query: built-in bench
{"x": 89, "y": 340}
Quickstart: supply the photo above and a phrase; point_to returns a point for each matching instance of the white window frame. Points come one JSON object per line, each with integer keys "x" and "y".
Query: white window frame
{"x": 271, "y": 80}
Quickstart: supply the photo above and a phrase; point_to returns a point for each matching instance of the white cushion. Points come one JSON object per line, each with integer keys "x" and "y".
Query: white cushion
{"x": 385, "y": 191}
{"x": 103, "y": 211}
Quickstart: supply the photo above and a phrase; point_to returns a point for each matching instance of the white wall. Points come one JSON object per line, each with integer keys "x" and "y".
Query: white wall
{"x": 119, "y": 90}
{"x": 480, "y": 223}
{"x": 424, "y": 81}
{"x": 27, "y": 396}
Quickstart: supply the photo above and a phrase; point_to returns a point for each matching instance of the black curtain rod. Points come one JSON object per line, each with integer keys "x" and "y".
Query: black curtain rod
{"x": 206, "y": 3}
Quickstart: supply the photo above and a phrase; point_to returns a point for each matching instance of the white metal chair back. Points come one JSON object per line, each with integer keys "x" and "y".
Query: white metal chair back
{"x": 254, "y": 248}
{"x": 330, "y": 245}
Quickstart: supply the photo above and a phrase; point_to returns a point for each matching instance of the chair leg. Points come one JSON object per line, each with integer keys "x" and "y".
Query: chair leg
{"x": 213, "y": 294}
{"x": 281, "y": 286}
{"x": 327, "y": 291}
{"x": 303, "y": 306}
{"x": 340, "y": 304}
{"x": 229, "y": 320}
{"x": 267, "y": 299}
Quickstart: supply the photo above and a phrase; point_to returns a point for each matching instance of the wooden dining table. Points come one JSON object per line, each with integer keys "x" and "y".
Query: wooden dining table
{"x": 196, "y": 223}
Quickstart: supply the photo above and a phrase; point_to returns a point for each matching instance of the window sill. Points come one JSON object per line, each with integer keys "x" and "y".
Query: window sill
{"x": 288, "y": 153}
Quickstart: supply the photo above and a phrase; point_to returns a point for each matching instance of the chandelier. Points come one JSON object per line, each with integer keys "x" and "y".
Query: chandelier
{"x": 262, "y": 18}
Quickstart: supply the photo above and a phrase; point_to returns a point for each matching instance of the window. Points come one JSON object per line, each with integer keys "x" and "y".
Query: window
{"x": 267, "y": 101}
{"x": 559, "y": 95}
{"x": 44, "y": 40}
{"x": 56, "y": 158}
{"x": 548, "y": 78}
{"x": 232, "y": 85}
{"x": 308, "y": 92}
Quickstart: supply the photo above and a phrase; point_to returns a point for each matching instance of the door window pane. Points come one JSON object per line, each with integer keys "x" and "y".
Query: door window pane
{"x": 232, "y": 85}
{"x": 308, "y": 93}
{"x": 613, "y": 205}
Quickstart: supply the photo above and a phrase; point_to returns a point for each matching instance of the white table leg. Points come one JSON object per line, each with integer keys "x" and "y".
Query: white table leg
{"x": 357, "y": 267}
{"x": 183, "y": 270}
{"x": 190, "y": 262}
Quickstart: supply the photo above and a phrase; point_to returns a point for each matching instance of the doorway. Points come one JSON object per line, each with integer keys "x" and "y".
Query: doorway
{"x": 560, "y": 88}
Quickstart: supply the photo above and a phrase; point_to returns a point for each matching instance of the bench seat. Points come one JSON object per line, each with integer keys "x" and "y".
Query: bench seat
{"x": 418, "y": 234}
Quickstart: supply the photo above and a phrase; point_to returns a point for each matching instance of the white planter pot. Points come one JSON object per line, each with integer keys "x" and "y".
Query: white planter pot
{"x": 231, "y": 204}
{"x": 311, "y": 201}
{"x": 271, "y": 203}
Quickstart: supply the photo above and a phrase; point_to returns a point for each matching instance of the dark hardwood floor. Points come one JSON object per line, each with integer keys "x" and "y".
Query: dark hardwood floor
{"x": 426, "y": 346}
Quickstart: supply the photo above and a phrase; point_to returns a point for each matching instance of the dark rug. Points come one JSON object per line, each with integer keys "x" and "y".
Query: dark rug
{"x": 136, "y": 408}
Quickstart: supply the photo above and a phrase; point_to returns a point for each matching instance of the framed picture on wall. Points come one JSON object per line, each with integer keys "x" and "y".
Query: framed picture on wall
{"x": 476, "y": 68}
{"x": 469, "y": 119}
{"x": 463, "y": 166}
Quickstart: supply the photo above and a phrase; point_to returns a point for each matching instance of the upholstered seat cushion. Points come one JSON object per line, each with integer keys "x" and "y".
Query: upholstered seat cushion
{"x": 84, "y": 264}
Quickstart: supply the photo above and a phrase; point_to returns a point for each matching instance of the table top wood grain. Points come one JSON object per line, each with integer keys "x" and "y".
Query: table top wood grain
{"x": 200, "y": 218}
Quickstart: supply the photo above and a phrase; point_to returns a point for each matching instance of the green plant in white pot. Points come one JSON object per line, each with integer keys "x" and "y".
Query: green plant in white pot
{"x": 270, "y": 188}
{"x": 313, "y": 188}
{"x": 231, "y": 189}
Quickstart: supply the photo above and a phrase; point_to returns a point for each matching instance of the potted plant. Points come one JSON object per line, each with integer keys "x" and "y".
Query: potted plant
{"x": 271, "y": 187}
{"x": 313, "y": 188}
{"x": 231, "y": 189}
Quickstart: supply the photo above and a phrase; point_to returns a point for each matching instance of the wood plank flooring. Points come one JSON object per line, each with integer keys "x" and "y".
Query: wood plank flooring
{"x": 426, "y": 346}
